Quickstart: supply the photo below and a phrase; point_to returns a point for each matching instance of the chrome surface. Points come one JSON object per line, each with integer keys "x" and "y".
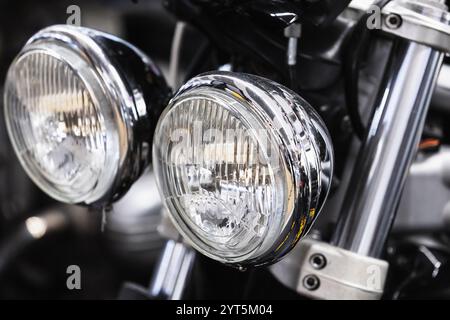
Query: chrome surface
{"x": 131, "y": 83}
{"x": 423, "y": 21}
{"x": 304, "y": 143}
{"x": 175, "y": 52}
{"x": 293, "y": 33}
{"x": 426, "y": 196}
{"x": 346, "y": 276}
{"x": 441, "y": 97}
{"x": 361, "y": 5}
{"x": 385, "y": 157}
{"x": 173, "y": 271}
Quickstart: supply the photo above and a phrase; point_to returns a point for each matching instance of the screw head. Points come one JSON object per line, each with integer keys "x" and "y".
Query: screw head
{"x": 311, "y": 282}
{"x": 393, "y": 21}
{"x": 318, "y": 261}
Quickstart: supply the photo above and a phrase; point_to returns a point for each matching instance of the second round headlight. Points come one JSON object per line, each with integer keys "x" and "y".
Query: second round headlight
{"x": 244, "y": 166}
{"x": 80, "y": 109}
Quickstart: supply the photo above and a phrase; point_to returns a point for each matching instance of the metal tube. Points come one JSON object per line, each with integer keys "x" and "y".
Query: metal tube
{"x": 441, "y": 96}
{"x": 173, "y": 271}
{"x": 385, "y": 157}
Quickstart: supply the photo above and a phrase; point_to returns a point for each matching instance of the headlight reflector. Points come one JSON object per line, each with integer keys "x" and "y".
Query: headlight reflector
{"x": 243, "y": 165}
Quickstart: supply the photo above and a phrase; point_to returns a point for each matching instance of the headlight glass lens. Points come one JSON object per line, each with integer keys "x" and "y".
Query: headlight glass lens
{"x": 58, "y": 129}
{"x": 222, "y": 170}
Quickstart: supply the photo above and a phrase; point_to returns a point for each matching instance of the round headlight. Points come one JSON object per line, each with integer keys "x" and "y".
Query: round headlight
{"x": 80, "y": 108}
{"x": 244, "y": 166}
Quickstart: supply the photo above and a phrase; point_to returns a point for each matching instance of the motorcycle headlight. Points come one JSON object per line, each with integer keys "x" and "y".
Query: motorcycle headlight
{"x": 244, "y": 166}
{"x": 80, "y": 109}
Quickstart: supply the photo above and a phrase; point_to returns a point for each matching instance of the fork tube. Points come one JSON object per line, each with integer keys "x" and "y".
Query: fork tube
{"x": 386, "y": 154}
{"x": 173, "y": 271}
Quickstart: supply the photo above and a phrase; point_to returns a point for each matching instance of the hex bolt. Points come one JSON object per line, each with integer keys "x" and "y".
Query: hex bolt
{"x": 318, "y": 261}
{"x": 311, "y": 282}
{"x": 393, "y": 21}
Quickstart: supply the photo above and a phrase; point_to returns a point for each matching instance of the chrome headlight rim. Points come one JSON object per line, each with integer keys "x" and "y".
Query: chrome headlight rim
{"x": 123, "y": 76}
{"x": 304, "y": 144}
{"x": 39, "y": 177}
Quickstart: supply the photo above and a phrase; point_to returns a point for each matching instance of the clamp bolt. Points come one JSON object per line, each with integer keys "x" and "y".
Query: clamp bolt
{"x": 318, "y": 261}
{"x": 393, "y": 21}
{"x": 311, "y": 282}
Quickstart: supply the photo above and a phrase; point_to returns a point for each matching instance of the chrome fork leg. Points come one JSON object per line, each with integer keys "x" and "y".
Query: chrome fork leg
{"x": 353, "y": 268}
{"x": 386, "y": 154}
{"x": 173, "y": 271}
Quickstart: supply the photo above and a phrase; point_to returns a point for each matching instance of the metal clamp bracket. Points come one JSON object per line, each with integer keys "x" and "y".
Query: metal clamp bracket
{"x": 331, "y": 273}
{"x": 423, "y": 21}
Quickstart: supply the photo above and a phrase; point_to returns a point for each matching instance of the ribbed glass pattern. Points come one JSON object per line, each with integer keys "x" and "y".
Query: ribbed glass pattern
{"x": 216, "y": 175}
{"x": 58, "y": 132}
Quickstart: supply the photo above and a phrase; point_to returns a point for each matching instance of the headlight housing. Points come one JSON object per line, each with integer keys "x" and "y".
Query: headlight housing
{"x": 80, "y": 109}
{"x": 244, "y": 166}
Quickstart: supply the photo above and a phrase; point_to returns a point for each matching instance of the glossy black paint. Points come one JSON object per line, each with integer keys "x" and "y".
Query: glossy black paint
{"x": 253, "y": 31}
{"x": 142, "y": 77}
